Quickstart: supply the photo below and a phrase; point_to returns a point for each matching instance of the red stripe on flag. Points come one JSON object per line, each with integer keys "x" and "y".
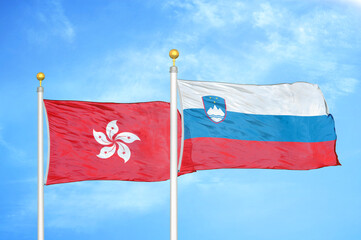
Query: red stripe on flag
{"x": 215, "y": 153}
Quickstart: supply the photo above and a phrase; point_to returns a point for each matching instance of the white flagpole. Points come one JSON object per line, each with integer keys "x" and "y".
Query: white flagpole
{"x": 173, "y": 148}
{"x": 40, "y": 76}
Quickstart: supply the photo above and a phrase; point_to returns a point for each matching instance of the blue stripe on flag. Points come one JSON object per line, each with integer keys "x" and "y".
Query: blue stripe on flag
{"x": 252, "y": 127}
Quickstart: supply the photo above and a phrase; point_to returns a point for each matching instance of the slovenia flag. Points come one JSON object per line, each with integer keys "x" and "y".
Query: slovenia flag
{"x": 281, "y": 126}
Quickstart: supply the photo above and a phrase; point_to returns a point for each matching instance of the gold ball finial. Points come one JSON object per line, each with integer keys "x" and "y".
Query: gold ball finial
{"x": 40, "y": 76}
{"x": 173, "y": 54}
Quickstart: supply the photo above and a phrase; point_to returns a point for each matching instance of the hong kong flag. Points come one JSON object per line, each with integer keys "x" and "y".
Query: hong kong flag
{"x": 109, "y": 141}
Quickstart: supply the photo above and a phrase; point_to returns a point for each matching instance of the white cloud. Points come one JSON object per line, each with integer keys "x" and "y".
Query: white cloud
{"x": 267, "y": 16}
{"x": 224, "y": 186}
{"x": 233, "y": 42}
{"x": 352, "y": 2}
{"x": 348, "y": 85}
{"x": 339, "y": 87}
{"x": 210, "y": 13}
{"x": 312, "y": 43}
{"x": 123, "y": 75}
{"x": 86, "y": 204}
{"x": 83, "y": 206}
{"x": 134, "y": 75}
{"x": 13, "y": 150}
{"x": 52, "y": 22}
{"x": 226, "y": 68}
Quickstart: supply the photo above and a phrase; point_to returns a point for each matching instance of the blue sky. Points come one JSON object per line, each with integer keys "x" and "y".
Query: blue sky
{"x": 118, "y": 51}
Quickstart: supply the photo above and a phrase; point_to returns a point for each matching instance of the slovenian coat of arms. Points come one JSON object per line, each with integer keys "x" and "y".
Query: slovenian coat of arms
{"x": 215, "y": 108}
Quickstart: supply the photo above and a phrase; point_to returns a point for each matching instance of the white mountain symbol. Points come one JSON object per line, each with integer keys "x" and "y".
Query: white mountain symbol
{"x": 111, "y": 130}
{"x": 216, "y": 114}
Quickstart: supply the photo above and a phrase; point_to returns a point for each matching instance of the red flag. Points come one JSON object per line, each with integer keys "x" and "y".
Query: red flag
{"x": 109, "y": 141}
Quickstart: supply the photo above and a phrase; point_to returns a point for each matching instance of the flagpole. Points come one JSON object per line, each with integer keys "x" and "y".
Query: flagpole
{"x": 173, "y": 148}
{"x": 40, "y": 76}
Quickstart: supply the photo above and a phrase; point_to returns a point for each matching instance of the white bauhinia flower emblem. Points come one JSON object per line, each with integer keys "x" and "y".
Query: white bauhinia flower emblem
{"x": 109, "y": 150}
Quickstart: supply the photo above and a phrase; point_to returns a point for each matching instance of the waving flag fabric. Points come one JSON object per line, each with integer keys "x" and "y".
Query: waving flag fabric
{"x": 109, "y": 141}
{"x": 283, "y": 126}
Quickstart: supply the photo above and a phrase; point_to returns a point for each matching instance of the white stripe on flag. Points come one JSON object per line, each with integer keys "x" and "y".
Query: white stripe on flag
{"x": 298, "y": 99}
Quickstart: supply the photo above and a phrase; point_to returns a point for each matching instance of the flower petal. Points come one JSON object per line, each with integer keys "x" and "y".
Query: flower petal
{"x": 101, "y": 138}
{"x": 112, "y": 129}
{"x": 123, "y": 151}
{"x": 107, "y": 152}
{"x": 127, "y": 137}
